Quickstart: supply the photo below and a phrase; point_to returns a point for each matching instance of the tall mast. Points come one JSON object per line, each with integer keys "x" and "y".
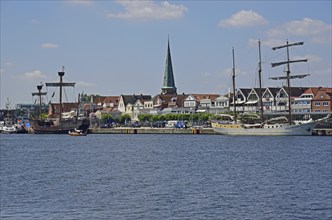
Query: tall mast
{"x": 234, "y": 105}
{"x": 260, "y": 80}
{"x": 288, "y": 76}
{"x": 40, "y": 94}
{"x": 61, "y": 74}
{"x": 60, "y": 84}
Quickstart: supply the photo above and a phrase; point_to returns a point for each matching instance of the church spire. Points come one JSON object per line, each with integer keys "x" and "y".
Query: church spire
{"x": 169, "y": 83}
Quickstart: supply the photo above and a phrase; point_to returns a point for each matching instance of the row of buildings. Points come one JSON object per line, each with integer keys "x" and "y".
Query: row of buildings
{"x": 303, "y": 100}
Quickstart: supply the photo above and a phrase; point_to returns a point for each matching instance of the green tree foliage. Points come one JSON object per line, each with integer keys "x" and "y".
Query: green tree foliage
{"x": 104, "y": 117}
{"x": 144, "y": 117}
{"x": 125, "y": 118}
{"x": 155, "y": 118}
{"x": 202, "y": 117}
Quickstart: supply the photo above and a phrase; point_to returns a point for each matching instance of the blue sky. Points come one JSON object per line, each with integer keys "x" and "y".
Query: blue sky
{"x": 119, "y": 47}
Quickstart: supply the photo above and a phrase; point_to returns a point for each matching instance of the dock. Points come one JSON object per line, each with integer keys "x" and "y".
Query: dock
{"x": 147, "y": 130}
{"x": 206, "y": 131}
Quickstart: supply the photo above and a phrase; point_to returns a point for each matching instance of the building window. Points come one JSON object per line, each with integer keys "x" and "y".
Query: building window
{"x": 325, "y": 104}
{"x": 317, "y": 103}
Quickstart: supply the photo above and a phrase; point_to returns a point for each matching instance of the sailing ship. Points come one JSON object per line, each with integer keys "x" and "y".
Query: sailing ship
{"x": 61, "y": 122}
{"x": 232, "y": 126}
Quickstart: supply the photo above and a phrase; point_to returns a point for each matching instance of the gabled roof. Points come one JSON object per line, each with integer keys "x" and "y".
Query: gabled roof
{"x": 164, "y": 97}
{"x": 274, "y": 90}
{"x": 112, "y": 99}
{"x": 131, "y": 99}
{"x": 99, "y": 99}
{"x": 245, "y": 91}
{"x": 323, "y": 94}
{"x": 199, "y": 97}
{"x": 171, "y": 100}
{"x": 296, "y": 91}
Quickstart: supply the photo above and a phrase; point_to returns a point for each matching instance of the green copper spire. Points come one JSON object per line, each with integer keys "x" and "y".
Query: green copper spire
{"x": 169, "y": 83}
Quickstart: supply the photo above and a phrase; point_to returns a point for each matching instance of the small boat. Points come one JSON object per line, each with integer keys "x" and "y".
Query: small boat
{"x": 77, "y": 132}
{"x": 9, "y": 129}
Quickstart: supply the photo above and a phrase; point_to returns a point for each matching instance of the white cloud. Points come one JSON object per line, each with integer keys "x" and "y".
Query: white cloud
{"x": 149, "y": 10}
{"x": 317, "y": 30}
{"x": 49, "y": 45}
{"x": 243, "y": 19}
{"x": 37, "y": 74}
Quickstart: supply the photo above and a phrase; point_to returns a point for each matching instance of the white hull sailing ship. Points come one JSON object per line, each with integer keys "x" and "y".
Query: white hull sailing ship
{"x": 60, "y": 123}
{"x": 267, "y": 128}
{"x": 279, "y": 129}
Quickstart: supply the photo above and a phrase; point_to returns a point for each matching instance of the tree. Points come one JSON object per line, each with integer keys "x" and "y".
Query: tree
{"x": 105, "y": 117}
{"x": 144, "y": 117}
{"x": 124, "y": 118}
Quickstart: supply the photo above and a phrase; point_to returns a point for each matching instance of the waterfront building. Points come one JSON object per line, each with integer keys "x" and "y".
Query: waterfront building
{"x": 221, "y": 103}
{"x": 241, "y": 97}
{"x": 303, "y": 103}
{"x": 201, "y": 102}
{"x": 322, "y": 101}
{"x": 128, "y": 102}
{"x": 269, "y": 97}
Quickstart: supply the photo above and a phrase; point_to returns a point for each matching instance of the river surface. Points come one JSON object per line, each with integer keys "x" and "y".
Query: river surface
{"x": 165, "y": 177}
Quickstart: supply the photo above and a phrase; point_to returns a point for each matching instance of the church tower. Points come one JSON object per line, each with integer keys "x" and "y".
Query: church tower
{"x": 169, "y": 83}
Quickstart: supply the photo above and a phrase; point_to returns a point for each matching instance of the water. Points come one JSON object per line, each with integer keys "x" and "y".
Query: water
{"x": 165, "y": 177}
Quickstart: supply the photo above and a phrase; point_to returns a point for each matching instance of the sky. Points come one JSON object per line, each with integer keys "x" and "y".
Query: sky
{"x": 111, "y": 48}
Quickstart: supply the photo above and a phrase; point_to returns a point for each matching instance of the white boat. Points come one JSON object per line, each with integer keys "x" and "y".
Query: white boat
{"x": 273, "y": 127}
{"x": 8, "y": 127}
{"x": 2, "y": 123}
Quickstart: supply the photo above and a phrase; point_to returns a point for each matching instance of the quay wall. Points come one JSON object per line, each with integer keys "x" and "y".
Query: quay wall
{"x": 128, "y": 130}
